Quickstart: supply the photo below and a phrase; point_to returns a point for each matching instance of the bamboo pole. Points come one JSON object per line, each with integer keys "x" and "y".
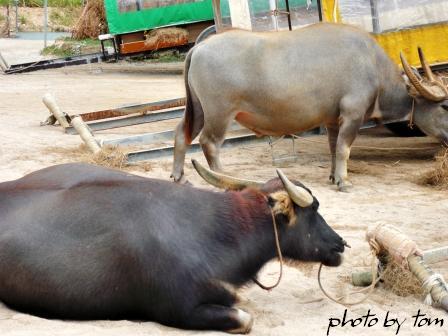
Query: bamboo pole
{"x": 388, "y": 239}
{"x": 86, "y": 134}
{"x": 50, "y": 102}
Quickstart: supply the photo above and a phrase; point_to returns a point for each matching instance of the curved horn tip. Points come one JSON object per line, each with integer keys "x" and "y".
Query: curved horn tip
{"x": 299, "y": 195}
{"x": 194, "y": 163}
{"x": 281, "y": 175}
{"x": 222, "y": 181}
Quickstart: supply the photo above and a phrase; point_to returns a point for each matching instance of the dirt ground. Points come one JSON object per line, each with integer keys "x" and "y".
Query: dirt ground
{"x": 384, "y": 192}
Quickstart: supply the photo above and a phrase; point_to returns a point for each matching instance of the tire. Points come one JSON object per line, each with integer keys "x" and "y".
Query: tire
{"x": 402, "y": 129}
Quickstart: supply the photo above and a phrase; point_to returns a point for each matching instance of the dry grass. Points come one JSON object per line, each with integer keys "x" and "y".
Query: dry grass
{"x": 109, "y": 157}
{"x": 92, "y": 21}
{"x": 399, "y": 281}
{"x": 438, "y": 176}
{"x": 166, "y": 36}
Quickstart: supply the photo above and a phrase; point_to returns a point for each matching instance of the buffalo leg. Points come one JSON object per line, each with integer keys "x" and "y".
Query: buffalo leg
{"x": 347, "y": 134}
{"x": 217, "y": 317}
{"x": 332, "y": 131}
{"x": 211, "y": 140}
{"x": 180, "y": 148}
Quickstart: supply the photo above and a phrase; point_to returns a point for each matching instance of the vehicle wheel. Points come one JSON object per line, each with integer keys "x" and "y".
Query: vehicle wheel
{"x": 207, "y": 32}
{"x": 402, "y": 129}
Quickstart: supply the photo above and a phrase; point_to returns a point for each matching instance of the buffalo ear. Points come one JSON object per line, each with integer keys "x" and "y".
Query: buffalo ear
{"x": 282, "y": 204}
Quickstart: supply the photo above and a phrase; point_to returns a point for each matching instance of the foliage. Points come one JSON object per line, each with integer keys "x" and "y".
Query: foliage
{"x": 67, "y": 46}
{"x": 51, "y": 3}
{"x": 64, "y": 17}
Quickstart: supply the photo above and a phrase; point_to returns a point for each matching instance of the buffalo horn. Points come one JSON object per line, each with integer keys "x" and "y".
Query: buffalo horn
{"x": 428, "y": 72}
{"x": 223, "y": 181}
{"x": 428, "y": 92}
{"x": 299, "y": 195}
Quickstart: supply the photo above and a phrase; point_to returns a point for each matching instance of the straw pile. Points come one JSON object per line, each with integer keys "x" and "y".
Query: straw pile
{"x": 164, "y": 37}
{"x": 400, "y": 281}
{"x": 92, "y": 21}
{"x": 437, "y": 177}
{"x": 108, "y": 156}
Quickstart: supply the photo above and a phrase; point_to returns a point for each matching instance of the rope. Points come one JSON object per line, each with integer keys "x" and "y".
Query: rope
{"x": 411, "y": 118}
{"x": 397, "y": 244}
{"x": 368, "y": 289}
{"x": 280, "y": 258}
{"x": 435, "y": 279}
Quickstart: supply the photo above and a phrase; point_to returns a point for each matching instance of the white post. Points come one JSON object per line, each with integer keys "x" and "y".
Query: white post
{"x": 240, "y": 14}
{"x": 50, "y": 102}
{"x": 86, "y": 134}
{"x": 273, "y": 7}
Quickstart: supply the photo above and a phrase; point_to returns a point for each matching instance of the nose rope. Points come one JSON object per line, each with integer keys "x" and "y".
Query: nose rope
{"x": 411, "y": 118}
{"x": 280, "y": 258}
{"x": 374, "y": 250}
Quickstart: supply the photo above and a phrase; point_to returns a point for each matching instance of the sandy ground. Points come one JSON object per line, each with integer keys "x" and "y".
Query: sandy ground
{"x": 29, "y": 50}
{"x": 385, "y": 192}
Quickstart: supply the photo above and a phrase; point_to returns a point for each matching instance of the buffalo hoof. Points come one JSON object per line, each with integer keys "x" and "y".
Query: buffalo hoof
{"x": 331, "y": 179}
{"x": 344, "y": 186}
{"x": 246, "y": 322}
{"x": 179, "y": 178}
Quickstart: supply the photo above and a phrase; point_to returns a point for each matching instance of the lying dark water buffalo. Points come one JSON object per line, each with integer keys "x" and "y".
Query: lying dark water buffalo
{"x": 288, "y": 82}
{"x": 84, "y": 242}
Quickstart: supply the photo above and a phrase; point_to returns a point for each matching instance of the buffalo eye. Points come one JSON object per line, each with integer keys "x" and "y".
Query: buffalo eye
{"x": 271, "y": 201}
{"x": 445, "y": 105}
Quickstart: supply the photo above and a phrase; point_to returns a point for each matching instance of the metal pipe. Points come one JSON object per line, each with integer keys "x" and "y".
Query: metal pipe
{"x": 132, "y": 120}
{"x": 16, "y": 2}
{"x": 45, "y": 22}
{"x": 319, "y": 10}
{"x": 217, "y": 15}
{"x": 131, "y": 109}
{"x": 8, "y": 30}
{"x": 289, "y": 15}
{"x": 436, "y": 255}
{"x": 152, "y": 138}
{"x": 375, "y": 16}
{"x": 155, "y": 153}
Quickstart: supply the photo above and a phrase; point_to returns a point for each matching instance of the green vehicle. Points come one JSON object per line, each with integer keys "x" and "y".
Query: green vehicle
{"x": 129, "y": 19}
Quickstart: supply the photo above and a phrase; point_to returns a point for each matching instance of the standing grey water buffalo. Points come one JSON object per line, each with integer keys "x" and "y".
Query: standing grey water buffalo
{"x": 84, "y": 242}
{"x": 288, "y": 82}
